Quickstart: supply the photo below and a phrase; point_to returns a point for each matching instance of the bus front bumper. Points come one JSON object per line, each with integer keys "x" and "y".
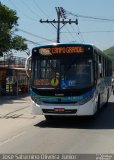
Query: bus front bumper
{"x": 86, "y": 109}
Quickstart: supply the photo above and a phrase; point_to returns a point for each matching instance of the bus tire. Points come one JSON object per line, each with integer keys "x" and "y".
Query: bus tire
{"x": 107, "y": 96}
{"x": 98, "y": 104}
{"x": 48, "y": 117}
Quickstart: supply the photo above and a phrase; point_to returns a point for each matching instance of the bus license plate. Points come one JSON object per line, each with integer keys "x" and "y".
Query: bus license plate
{"x": 59, "y": 109}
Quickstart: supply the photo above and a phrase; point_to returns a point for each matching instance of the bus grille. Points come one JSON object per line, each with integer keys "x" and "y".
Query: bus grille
{"x": 68, "y": 111}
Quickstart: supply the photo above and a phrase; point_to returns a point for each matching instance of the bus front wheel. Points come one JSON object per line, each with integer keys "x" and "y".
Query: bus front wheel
{"x": 98, "y": 104}
{"x": 107, "y": 96}
{"x": 48, "y": 117}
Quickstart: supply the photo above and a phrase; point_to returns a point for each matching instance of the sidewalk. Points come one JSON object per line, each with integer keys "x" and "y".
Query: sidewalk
{"x": 15, "y": 97}
{"x": 12, "y": 104}
{"x": 15, "y": 116}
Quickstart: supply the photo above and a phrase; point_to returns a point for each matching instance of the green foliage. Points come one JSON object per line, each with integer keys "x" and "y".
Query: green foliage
{"x": 8, "y": 23}
{"x": 110, "y": 53}
{"x": 7, "y": 17}
{"x": 18, "y": 43}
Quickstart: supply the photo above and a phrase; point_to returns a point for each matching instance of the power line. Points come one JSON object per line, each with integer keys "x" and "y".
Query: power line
{"x": 34, "y": 35}
{"x": 98, "y": 31}
{"x": 29, "y": 8}
{"x": 26, "y": 39}
{"x": 66, "y": 36}
{"x": 33, "y": 11}
{"x": 41, "y": 10}
{"x": 21, "y": 11}
{"x": 89, "y": 17}
{"x": 36, "y": 4}
{"x": 72, "y": 35}
{"x": 77, "y": 34}
{"x": 25, "y": 15}
{"x": 84, "y": 32}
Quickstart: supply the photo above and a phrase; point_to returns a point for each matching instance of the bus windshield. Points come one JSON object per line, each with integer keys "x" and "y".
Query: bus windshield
{"x": 62, "y": 73}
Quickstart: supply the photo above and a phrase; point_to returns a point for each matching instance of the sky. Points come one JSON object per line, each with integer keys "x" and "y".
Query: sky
{"x": 99, "y": 32}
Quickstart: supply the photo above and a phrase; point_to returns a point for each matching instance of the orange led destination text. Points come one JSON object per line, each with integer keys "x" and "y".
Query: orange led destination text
{"x": 42, "y": 82}
{"x": 63, "y": 50}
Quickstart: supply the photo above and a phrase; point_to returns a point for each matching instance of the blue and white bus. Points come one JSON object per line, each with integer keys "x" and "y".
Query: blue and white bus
{"x": 69, "y": 80}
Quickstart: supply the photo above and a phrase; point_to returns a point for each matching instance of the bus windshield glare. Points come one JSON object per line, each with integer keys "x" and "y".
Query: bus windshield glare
{"x": 62, "y": 73}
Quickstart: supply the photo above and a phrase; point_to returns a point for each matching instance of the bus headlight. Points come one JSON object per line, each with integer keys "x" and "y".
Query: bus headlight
{"x": 36, "y": 100}
{"x": 85, "y": 100}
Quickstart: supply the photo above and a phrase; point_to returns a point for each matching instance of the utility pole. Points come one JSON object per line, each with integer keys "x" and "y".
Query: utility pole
{"x": 61, "y": 19}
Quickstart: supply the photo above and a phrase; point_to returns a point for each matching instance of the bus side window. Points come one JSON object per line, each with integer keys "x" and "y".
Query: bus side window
{"x": 100, "y": 67}
{"x": 96, "y": 65}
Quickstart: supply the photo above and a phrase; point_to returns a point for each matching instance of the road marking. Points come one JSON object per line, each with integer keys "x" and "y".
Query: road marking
{"x": 17, "y": 110}
{"x": 17, "y": 116}
{"x": 12, "y": 138}
{"x": 10, "y": 113}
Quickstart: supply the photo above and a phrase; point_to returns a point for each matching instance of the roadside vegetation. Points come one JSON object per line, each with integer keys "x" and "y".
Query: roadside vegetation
{"x": 8, "y": 26}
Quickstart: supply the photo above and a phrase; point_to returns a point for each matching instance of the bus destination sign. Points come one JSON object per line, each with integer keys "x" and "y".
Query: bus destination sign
{"x": 62, "y": 50}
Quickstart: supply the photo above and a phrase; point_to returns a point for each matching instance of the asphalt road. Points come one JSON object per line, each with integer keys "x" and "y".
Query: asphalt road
{"x": 22, "y": 132}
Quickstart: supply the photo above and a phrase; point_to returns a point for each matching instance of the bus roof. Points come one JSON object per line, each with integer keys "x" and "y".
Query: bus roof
{"x": 59, "y": 44}
{"x": 74, "y": 43}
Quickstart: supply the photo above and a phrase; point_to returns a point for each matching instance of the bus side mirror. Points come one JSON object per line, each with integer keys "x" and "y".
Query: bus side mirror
{"x": 28, "y": 66}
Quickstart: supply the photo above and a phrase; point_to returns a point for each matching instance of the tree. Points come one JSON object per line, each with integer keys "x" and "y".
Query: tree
{"x": 8, "y": 24}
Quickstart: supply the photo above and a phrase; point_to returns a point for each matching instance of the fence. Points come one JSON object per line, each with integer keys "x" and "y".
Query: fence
{"x": 13, "y": 79}
{"x": 13, "y": 61}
